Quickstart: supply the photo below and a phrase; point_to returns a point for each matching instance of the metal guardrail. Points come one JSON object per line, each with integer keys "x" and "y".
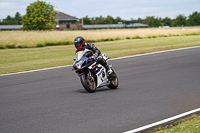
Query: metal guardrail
{"x": 10, "y": 27}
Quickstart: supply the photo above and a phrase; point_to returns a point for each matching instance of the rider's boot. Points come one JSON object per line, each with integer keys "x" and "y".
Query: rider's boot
{"x": 103, "y": 62}
{"x": 108, "y": 69}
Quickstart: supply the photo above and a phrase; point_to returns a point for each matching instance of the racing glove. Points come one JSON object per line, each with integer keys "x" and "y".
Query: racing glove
{"x": 94, "y": 57}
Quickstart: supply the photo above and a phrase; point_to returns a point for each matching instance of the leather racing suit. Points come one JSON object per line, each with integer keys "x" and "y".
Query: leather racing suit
{"x": 96, "y": 52}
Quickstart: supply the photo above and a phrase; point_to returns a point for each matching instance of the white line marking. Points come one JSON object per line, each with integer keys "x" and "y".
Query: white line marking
{"x": 163, "y": 121}
{"x": 34, "y": 70}
{"x": 156, "y": 52}
{"x": 109, "y": 59}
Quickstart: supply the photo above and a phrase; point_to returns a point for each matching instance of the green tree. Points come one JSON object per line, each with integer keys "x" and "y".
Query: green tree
{"x": 100, "y": 20}
{"x": 9, "y": 21}
{"x": 109, "y": 20}
{"x": 167, "y": 21}
{"x": 118, "y": 19}
{"x": 151, "y": 21}
{"x": 180, "y": 20}
{"x": 39, "y": 16}
{"x": 139, "y": 20}
{"x": 18, "y": 18}
{"x": 9, "y": 18}
{"x": 86, "y": 20}
{"x": 133, "y": 20}
{"x": 194, "y": 18}
{"x": 92, "y": 20}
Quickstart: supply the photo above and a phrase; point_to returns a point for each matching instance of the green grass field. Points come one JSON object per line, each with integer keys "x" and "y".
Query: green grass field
{"x": 18, "y": 60}
{"x": 33, "y": 39}
{"x": 189, "y": 126}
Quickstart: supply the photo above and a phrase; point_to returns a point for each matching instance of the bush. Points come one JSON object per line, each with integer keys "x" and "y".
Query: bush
{"x": 154, "y": 36}
{"x": 22, "y": 46}
{"x": 10, "y": 46}
{"x": 106, "y": 39}
{"x": 149, "y": 36}
{"x": 111, "y": 39}
{"x": 2, "y": 47}
{"x": 40, "y": 45}
{"x": 117, "y": 38}
{"x": 137, "y": 37}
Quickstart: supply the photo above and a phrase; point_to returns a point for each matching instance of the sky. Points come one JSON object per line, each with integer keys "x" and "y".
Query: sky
{"x": 125, "y": 9}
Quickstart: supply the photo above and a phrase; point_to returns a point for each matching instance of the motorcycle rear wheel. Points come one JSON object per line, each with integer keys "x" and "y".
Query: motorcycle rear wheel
{"x": 89, "y": 85}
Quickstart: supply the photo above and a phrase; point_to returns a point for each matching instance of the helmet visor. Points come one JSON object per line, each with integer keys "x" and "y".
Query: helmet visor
{"x": 78, "y": 44}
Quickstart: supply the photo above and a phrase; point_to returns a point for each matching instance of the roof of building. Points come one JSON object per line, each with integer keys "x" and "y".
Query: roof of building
{"x": 10, "y": 27}
{"x": 64, "y": 16}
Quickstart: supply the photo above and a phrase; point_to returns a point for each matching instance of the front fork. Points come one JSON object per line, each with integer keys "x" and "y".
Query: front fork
{"x": 89, "y": 75}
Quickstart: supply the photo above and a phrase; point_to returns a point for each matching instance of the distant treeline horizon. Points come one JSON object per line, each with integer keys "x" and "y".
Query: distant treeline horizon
{"x": 152, "y": 21}
{"x": 181, "y": 20}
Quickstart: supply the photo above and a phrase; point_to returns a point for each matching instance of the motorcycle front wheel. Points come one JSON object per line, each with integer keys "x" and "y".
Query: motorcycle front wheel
{"x": 88, "y": 83}
{"x": 114, "y": 82}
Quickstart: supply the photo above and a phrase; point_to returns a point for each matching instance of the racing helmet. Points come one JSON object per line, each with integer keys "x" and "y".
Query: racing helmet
{"x": 79, "y": 43}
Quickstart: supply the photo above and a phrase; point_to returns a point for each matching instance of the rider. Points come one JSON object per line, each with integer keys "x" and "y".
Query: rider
{"x": 80, "y": 44}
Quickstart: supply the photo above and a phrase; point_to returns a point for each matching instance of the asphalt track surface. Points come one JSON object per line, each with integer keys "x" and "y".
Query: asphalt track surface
{"x": 152, "y": 88}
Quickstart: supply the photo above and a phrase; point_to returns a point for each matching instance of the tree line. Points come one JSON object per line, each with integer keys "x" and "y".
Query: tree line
{"x": 152, "y": 21}
{"x": 12, "y": 21}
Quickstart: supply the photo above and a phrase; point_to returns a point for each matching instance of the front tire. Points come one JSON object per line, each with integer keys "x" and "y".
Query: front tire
{"x": 88, "y": 84}
{"x": 114, "y": 82}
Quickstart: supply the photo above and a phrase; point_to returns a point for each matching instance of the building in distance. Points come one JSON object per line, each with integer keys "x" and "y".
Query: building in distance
{"x": 66, "y": 22}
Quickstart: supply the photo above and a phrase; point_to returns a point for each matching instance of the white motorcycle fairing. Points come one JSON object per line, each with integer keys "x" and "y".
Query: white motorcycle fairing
{"x": 100, "y": 71}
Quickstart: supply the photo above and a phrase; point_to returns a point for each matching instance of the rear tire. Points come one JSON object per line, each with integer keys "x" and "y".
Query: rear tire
{"x": 90, "y": 86}
{"x": 114, "y": 82}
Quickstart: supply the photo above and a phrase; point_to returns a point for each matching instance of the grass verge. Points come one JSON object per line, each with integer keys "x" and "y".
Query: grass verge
{"x": 17, "y": 60}
{"x": 189, "y": 124}
{"x": 33, "y": 39}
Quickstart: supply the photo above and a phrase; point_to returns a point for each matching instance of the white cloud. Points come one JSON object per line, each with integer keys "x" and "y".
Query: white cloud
{"x": 6, "y": 5}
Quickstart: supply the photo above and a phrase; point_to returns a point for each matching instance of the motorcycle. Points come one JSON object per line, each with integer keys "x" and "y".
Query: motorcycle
{"x": 92, "y": 74}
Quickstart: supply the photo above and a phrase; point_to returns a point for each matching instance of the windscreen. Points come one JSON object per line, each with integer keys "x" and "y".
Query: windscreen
{"x": 79, "y": 54}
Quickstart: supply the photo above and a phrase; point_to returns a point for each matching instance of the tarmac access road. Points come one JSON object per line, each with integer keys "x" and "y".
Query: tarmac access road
{"x": 152, "y": 88}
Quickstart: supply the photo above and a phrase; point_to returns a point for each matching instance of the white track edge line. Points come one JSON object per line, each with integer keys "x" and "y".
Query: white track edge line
{"x": 109, "y": 59}
{"x": 164, "y": 51}
{"x": 34, "y": 70}
{"x": 163, "y": 121}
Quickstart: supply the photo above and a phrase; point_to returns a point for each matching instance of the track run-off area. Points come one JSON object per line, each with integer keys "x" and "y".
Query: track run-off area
{"x": 153, "y": 87}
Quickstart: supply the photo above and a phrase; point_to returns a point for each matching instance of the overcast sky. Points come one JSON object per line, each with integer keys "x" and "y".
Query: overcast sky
{"x": 126, "y": 9}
